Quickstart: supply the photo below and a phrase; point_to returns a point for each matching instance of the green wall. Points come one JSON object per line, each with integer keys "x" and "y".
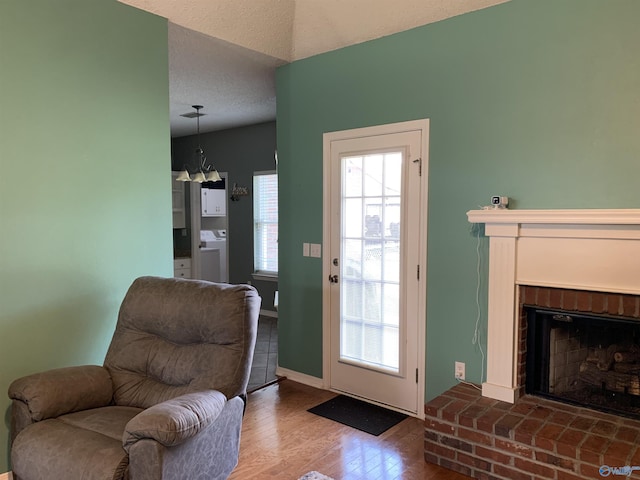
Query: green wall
{"x": 239, "y": 152}
{"x": 536, "y": 100}
{"x": 85, "y": 192}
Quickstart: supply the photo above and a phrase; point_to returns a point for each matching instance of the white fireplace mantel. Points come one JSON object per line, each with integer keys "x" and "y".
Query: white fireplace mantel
{"x": 590, "y": 249}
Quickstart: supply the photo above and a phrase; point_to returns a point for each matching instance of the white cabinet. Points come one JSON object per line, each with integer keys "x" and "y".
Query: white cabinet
{"x": 177, "y": 202}
{"x": 182, "y": 267}
{"x": 214, "y": 202}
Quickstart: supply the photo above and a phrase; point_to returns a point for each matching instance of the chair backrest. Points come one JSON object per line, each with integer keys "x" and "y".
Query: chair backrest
{"x": 177, "y": 336}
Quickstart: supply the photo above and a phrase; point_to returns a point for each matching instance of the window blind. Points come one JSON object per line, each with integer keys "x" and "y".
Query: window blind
{"x": 265, "y": 222}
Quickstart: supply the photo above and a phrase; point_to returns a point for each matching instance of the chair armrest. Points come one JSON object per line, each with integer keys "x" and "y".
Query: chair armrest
{"x": 63, "y": 390}
{"x": 174, "y": 421}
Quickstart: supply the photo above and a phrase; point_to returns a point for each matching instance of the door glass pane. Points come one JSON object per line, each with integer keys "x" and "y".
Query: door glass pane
{"x": 353, "y": 219}
{"x": 352, "y": 177}
{"x": 373, "y": 300}
{"x": 391, "y": 294}
{"x": 373, "y": 173}
{"x": 392, "y": 173}
{"x": 370, "y": 266}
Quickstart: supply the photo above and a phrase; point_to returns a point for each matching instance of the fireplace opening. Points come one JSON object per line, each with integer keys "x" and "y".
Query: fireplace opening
{"x": 584, "y": 359}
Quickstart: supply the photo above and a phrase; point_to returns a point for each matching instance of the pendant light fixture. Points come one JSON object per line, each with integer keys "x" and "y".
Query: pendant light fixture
{"x": 205, "y": 173}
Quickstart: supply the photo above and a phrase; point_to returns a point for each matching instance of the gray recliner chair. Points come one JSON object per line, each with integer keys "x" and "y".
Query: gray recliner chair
{"x": 167, "y": 403}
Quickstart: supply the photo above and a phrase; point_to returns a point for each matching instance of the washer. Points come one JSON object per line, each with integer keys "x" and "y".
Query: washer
{"x": 213, "y": 256}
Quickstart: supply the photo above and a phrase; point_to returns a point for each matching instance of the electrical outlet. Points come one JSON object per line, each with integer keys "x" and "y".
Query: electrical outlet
{"x": 459, "y": 370}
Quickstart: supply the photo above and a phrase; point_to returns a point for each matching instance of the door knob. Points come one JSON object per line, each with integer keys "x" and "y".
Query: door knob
{"x": 333, "y": 278}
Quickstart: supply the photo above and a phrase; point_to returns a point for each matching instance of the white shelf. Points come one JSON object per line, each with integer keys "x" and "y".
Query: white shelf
{"x": 574, "y": 217}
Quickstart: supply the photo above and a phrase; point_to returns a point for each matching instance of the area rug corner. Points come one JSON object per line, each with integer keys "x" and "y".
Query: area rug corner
{"x": 314, "y": 476}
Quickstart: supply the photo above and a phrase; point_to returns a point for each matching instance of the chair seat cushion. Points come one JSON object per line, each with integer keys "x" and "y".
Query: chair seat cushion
{"x": 109, "y": 421}
{"x": 84, "y": 445}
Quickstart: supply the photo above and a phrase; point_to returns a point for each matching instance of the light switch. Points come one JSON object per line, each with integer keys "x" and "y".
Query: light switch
{"x": 316, "y": 250}
{"x": 305, "y": 249}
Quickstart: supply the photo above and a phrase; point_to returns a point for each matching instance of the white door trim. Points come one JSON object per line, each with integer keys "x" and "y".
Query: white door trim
{"x": 423, "y": 126}
{"x": 196, "y": 222}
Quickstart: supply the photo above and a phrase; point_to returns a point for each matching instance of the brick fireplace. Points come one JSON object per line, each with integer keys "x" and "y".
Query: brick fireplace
{"x": 569, "y": 260}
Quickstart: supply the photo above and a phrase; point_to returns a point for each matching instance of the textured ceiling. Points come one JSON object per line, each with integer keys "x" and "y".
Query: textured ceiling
{"x": 223, "y": 53}
{"x": 235, "y": 85}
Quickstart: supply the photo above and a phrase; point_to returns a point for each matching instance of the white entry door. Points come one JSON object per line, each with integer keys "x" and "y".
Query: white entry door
{"x": 375, "y": 222}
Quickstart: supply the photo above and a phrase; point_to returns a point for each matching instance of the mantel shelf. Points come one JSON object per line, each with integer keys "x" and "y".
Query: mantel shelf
{"x": 590, "y": 250}
{"x": 629, "y": 216}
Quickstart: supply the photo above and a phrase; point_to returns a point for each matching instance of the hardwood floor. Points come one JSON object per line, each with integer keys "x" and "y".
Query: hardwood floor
{"x": 281, "y": 440}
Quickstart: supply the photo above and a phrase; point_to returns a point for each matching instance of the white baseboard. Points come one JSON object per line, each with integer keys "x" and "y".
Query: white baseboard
{"x": 266, "y": 313}
{"x": 6, "y": 476}
{"x": 299, "y": 377}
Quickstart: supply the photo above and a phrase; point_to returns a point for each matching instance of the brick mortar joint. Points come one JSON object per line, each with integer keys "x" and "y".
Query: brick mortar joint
{"x": 542, "y": 298}
{"x": 534, "y": 450}
{"x": 511, "y": 465}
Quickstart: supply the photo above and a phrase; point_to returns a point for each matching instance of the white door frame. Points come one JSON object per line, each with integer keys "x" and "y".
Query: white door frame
{"x": 195, "y": 201}
{"x": 423, "y": 126}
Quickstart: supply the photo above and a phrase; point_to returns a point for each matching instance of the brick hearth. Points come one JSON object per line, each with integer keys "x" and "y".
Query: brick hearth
{"x": 532, "y": 439}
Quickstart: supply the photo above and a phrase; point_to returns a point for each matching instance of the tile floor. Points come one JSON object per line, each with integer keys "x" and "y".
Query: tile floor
{"x": 265, "y": 357}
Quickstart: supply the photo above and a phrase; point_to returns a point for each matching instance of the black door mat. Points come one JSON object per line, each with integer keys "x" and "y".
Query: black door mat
{"x": 358, "y": 414}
